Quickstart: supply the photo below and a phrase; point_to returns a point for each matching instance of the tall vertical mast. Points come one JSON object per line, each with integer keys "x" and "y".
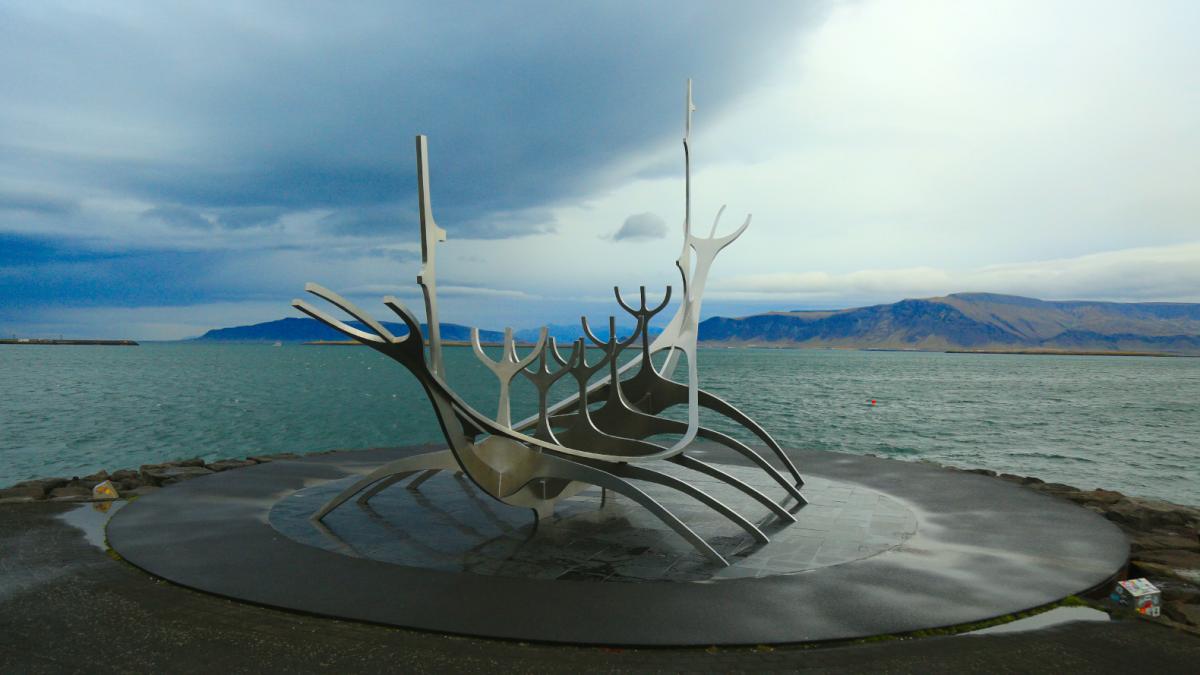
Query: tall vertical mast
{"x": 687, "y": 163}
{"x": 684, "y": 262}
{"x": 431, "y": 234}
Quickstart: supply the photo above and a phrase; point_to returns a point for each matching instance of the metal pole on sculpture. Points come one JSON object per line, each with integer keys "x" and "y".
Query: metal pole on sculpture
{"x": 431, "y": 234}
{"x": 684, "y": 262}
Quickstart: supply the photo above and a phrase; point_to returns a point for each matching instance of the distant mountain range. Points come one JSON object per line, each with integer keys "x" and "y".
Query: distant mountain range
{"x": 565, "y": 334}
{"x": 311, "y": 330}
{"x": 974, "y": 321}
{"x": 961, "y": 321}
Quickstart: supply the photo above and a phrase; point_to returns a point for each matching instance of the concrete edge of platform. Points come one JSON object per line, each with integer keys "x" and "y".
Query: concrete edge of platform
{"x": 986, "y": 537}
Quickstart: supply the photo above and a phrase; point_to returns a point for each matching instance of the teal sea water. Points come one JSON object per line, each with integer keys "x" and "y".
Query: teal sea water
{"x": 1125, "y": 423}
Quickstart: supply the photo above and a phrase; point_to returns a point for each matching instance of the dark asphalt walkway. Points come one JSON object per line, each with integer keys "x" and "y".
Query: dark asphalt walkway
{"x": 66, "y": 606}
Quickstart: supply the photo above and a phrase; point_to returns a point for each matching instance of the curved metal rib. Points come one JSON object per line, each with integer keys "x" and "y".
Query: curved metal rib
{"x": 335, "y": 323}
{"x": 388, "y": 482}
{"x": 349, "y": 308}
{"x": 543, "y": 379}
{"x": 637, "y": 424}
{"x": 583, "y": 433}
{"x": 653, "y": 393}
{"x": 651, "y": 476}
{"x": 488, "y": 513}
{"x": 443, "y": 459}
{"x": 758, "y": 460}
{"x": 710, "y": 470}
{"x": 506, "y": 368}
{"x": 577, "y": 471}
{"x": 644, "y": 313}
{"x": 720, "y": 405}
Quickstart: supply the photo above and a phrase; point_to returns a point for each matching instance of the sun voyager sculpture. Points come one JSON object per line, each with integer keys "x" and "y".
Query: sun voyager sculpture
{"x": 567, "y": 447}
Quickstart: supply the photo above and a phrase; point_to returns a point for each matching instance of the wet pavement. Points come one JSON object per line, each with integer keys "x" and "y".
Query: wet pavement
{"x": 982, "y": 548}
{"x": 66, "y": 606}
{"x": 447, "y": 523}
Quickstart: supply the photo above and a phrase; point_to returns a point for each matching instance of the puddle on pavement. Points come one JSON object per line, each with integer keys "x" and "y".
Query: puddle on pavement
{"x": 90, "y": 518}
{"x": 1054, "y": 617}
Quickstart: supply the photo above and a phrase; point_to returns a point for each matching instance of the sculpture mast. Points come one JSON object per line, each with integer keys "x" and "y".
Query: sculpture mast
{"x": 431, "y": 234}
{"x": 684, "y": 262}
{"x": 687, "y": 165}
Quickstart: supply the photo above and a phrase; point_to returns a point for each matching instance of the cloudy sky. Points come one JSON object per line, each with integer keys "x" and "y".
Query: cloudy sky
{"x": 166, "y": 167}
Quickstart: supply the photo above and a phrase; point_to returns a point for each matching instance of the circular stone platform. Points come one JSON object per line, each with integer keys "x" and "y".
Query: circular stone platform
{"x": 883, "y": 547}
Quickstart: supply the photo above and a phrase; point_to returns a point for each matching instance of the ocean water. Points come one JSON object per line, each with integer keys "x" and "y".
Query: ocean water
{"x": 1125, "y": 423}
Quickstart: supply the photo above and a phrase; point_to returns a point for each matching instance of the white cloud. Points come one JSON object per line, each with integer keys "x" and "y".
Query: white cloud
{"x": 641, "y": 226}
{"x": 893, "y": 155}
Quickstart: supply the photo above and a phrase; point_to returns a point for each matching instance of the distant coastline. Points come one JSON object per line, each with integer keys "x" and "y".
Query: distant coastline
{"x": 851, "y": 348}
{"x": 42, "y": 341}
{"x": 974, "y": 323}
{"x": 1067, "y": 352}
{"x": 445, "y": 343}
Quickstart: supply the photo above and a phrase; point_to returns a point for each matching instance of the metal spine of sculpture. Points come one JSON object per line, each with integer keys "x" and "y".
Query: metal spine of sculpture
{"x": 567, "y": 447}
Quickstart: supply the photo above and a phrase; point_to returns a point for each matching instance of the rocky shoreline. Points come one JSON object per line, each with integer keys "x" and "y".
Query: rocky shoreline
{"x": 1164, "y": 540}
{"x": 128, "y": 482}
{"x": 1164, "y": 537}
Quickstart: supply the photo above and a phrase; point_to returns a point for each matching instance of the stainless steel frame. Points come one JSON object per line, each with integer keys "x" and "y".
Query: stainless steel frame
{"x": 566, "y": 447}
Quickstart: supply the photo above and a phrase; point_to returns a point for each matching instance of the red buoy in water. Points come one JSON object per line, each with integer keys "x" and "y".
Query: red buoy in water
{"x": 872, "y": 401}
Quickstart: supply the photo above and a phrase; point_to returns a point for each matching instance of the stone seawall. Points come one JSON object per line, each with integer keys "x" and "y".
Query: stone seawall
{"x": 128, "y": 482}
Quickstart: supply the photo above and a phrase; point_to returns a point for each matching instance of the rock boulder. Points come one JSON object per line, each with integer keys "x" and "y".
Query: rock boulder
{"x": 45, "y": 484}
{"x": 1183, "y": 613}
{"x": 227, "y": 464}
{"x": 164, "y": 474}
{"x": 260, "y": 459}
{"x": 1154, "y": 541}
{"x": 22, "y": 494}
{"x": 70, "y": 493}
{"x": 1173, "y": 558}
{"x": 1145, "y": 514}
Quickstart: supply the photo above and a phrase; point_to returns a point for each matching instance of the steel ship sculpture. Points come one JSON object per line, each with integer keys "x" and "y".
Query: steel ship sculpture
{"x": 567, "y": 447}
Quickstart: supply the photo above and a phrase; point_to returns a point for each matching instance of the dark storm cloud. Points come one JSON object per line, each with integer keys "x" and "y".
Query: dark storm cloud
{"x": 233, "y": 218}
{"x": 11, "y": 200}
{"x": 293, "y": 106}
{"x": 369, "y": 221}
{"x": 218, "y": 119}
{"x": 178, "y": 216}
{"x": 395, "y": 255}
{"x": 44, "y": 272}
{"x": 242, "y": 217}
